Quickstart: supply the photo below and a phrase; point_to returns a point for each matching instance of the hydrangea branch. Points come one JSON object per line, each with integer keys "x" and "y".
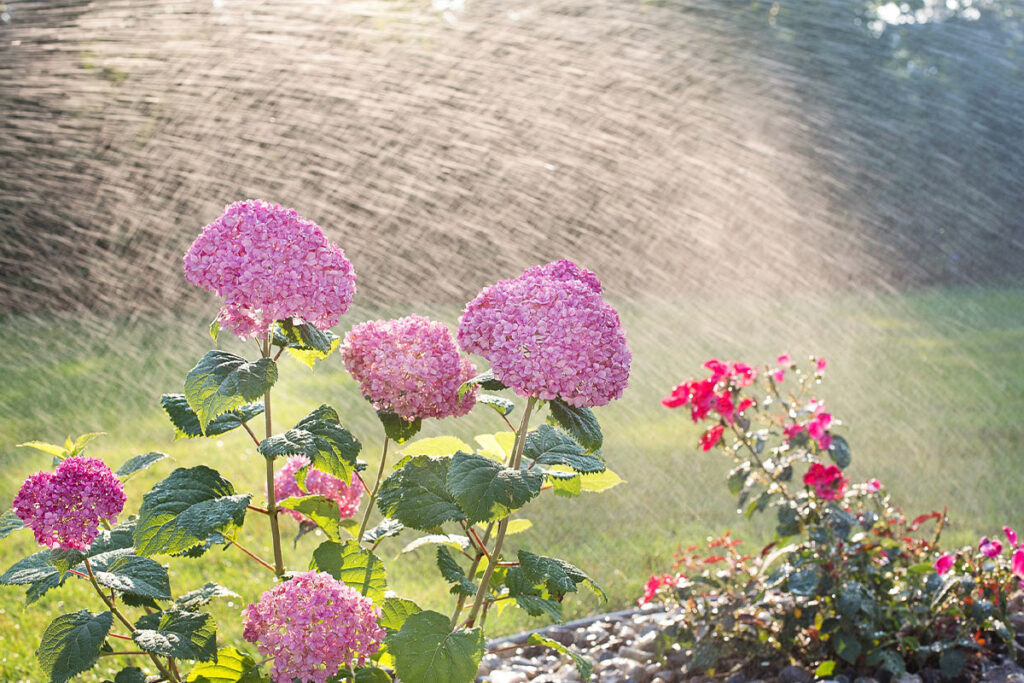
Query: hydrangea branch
{"x": 376, "y": 489}
{"x": 275, "y": 527}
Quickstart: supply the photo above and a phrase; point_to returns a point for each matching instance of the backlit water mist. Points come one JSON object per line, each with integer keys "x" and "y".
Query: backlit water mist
{"x": 833, "y": 177}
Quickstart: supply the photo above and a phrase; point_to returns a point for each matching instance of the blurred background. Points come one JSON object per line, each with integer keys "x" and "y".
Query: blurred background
{"x": 842, "y": 178}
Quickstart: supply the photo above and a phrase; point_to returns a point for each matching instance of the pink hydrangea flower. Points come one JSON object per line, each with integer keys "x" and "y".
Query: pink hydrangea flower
{"x": 410, "y": 366}
{"x": 828, "y": 482}
{"x": 269, "y": 263}
{"x": 990, "y": 547}
{"x": 311, "y": 625}
{"x": 943, "y": 564}
{"x": 548, "y": 333}
{"x": 347, "y": 496}
{"x": 64, "y": 507}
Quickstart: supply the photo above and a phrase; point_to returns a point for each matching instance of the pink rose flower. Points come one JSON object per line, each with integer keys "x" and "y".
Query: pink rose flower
{"x": 711, "y": 437}
{"x": 828, "y": 482}
{"x": 1011, "y": 536}
{"x": 990, "y": 547}
{"x": 943, "y": 564}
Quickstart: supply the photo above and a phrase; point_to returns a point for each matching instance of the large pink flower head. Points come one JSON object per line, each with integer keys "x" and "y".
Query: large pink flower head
{"x": 317, "y": 483}
{"x": 64, "y": 507}
{"x": 409, "y": 366}
{"x": 548, "y": 333}
{"x": 311, "y": 625}
{"x": 269, "y": 263}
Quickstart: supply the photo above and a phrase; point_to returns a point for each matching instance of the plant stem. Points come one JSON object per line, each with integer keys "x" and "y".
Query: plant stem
{"x": 117, "y": 613}
{"x": 373, "y": 494}
{"x": 461, "y": 602}
{"x": 122, "y": 654}
{"x": 253, "y": 556}
{"x": 275, "y": 529}
{"x": 517, "y": 454}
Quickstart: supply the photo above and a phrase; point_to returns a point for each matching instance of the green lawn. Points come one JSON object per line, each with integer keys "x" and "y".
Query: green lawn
{"x": 930, "y": 387}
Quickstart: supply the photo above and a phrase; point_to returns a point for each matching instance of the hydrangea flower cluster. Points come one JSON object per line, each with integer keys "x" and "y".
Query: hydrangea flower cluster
{"x": 64, "y": 507}
{"x": 347, "y": 496}
{"x": 828, "y": 482}
{"x": 409, "y": 366}
{"x": 269, "y": 263}
{"x": 715, "y": 392}
{"x": 311, "y": 625}
{"x": 548, "y": 333}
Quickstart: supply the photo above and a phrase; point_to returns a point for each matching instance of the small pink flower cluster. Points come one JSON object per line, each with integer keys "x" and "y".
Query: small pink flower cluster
{"x": 270, "y": 263}
{"x": 784, "y": 362}
{"x": 347, "y": 496}
{"x": 311, "y": 625}
{"x": 548, "y": 333}
{"x": 817, "y": 428}
{"x": 991, "y": 548}
{"x": 410, "y": 366}
{"x": 64, "y": 507}
{"x": 656, "y": 583}
{"x": 828, "y": 482}
{"x": 715, "y": 392}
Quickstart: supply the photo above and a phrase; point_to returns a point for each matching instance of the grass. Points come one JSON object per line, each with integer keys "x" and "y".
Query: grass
{"x": 930, "y": 386}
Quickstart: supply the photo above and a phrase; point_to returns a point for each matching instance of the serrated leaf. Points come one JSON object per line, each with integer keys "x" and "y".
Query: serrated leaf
{"x": 387, "y": 527}
{"x": 565, "y": 485}
{"x": 486, "y": 491}
{"x": 846, "y": 646}
{"x": 497, "y": 447}
{"x": 139, "y": 463}
{"x": 804, "y": 582}
{"x": 394, "y": 612}
{"x": 825, "y": 669}
{"x": 517, "y": 526}
{"x": 583, "y": 665}
{"x": 839, "y": 451}
{"x": 535, "y": 599}
{"x": 453, "y": 573}
{"x": 549, "y": 446}
{"x": 71, "y": 643}
{"x": 303, "y": 336}
{"x": 600, "y": 481}
{"x": 426, "y": 650}
{"x": 502, "y": 405}
{"x": 397, "y": 428}
{"x": 559, "y": 576}
{"x": 48, "y": 448}
{"x": 320, "y": 437}
{"x": 580, "y": 423}
{"x": 371, "y": 674}
{"x": 129, "y": 573}
{"x": 131, "y": 674}
{"x": 322, "y": 510}
{"x": 222, "y": 381}
{"x": 435, "y": 445}
{"x": 9, "y": 523}
{"x": 356, "y": 566}
{"x": 214, "y": 329}
{"x": 417, "y": 494}
{"x": 186, "y": 422}
{"x": 485, "y": 380}
{"x": 197, "y": 598}
{"x": 231, "y": 666}
{"x": 451, "y": 540}
{"x": 178, "y": 633}
{"x": 184, "y": 509}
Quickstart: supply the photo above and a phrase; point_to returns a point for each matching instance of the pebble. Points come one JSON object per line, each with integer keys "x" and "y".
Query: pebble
{"x": 508, "y": 677}
{"x": 795, "y": 674}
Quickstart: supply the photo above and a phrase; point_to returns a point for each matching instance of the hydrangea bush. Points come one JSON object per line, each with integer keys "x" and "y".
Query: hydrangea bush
{"x": 548, "y": 336}
{"x": 849, "y": 585}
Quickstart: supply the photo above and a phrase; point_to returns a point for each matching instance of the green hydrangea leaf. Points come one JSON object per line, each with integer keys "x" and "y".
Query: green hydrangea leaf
{"x": 583, "y": 665}
{"x": 353, "y": 564}
{"x": 231, "y": 666}
{"x": 126, "y": 572}
{"x": 132, "y": 674}
{"x": 533, "y": 598}
{"x": 485, "y": 380}
{"x": 550, "y": 446}
{"x": 186, "y": 422}
{"x": 323, "y": 511}
{"x": 456, "y": 541}
{"x": 9, "y": 523}
{"x": 398, "y": 429}
{"x": 320, "y": 437}
{"x": 178, "y": 633}
{"x": 486, "y": 491}
{"x": 197, "y": 598}
{"x": 185, "y": 509}
{"x": 580, "y": 423}
{"x": 387, "y": 527}
{"x": 222, "y": 381}
{"x": 501, "y": 404}
{"x": 453, "y": 573}
{"x": 139, "y": 463}
{"x": 49, "y": 448}
{"x": 559, "y": 576}
{"x": 302, "y": 336}
{"x": 394, "y": 612}
{"x": 426, "y": 650}
{"x": 71, "y": 643}
{"x": 417, "y": 494}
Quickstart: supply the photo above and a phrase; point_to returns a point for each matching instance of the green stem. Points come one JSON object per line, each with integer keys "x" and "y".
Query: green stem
{"x": 461, "y": 602}
{"x": 517, "y": 454}
{"x": 373, "y": 494}
{"x": 124, "y": 620}
{"x": 275, "y": 528}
